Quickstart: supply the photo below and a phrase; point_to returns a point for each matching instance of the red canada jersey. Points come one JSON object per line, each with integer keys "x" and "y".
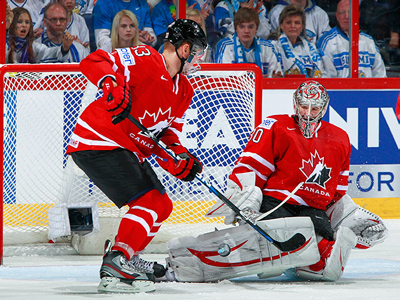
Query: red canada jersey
{"x": 158, "y": 102}
{"x": 281, "y": 157}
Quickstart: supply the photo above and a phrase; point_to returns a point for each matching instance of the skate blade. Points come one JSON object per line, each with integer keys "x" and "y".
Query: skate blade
{"x": 114, "y": 285}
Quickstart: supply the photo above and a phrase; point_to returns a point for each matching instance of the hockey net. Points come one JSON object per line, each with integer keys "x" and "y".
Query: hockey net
{"x": 41, "y": 105}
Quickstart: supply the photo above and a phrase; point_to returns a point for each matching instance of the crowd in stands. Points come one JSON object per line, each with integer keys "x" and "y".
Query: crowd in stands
{"x": 286, "y": 37}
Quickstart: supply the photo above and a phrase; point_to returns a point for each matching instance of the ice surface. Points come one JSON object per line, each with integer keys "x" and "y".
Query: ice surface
{"x": 369, "y": 274}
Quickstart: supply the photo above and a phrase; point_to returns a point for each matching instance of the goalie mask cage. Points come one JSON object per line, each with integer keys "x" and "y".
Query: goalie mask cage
{"x": 41, "y": 104}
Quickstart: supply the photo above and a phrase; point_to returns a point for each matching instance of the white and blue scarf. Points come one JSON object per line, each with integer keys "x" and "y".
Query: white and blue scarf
{"x": 240, "y": 56}
{"x": 21, "y": 45}
{"x": 291, "y": 64}
{"x": 72, "y": 49}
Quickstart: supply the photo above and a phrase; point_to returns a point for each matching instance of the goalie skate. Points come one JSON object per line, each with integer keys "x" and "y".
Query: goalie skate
{"x": 118, "y": 275}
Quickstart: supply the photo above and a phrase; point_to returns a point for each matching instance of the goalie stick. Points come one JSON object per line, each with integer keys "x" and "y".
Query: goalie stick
{"x": 280, "y": 204}
{"x": 291, "y": 244}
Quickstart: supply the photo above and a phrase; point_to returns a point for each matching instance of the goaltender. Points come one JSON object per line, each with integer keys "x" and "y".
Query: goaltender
{"x": 293, "y": 177}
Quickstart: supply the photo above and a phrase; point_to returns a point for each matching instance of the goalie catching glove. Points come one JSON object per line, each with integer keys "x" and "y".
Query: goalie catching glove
{"x": 117, "y": 98}
{"x": 367, "y": 226}
{"x": 243, "y": 192}
{"x": 185, "y": 167}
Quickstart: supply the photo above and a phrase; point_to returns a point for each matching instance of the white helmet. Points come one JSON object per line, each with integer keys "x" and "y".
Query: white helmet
{"x": 310, "y": 94}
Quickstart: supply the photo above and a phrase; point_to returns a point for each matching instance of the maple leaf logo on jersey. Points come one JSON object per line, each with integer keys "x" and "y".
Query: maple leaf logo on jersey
{"x": 161, "y": 120}
{"x": 315, "y": 170}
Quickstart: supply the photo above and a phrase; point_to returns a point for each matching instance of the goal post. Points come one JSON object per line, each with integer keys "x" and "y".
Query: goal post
{"x": 40, "y": 106}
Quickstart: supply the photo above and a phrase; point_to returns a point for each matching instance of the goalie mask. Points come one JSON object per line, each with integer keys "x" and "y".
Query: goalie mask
{"x": 184, "y": 30}
{"x": 310, "y": 102}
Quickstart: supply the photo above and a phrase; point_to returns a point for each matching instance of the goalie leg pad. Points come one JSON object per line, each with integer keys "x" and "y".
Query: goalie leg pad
{"x": 368, "y": 227}
{"x": 240, "y": 251}
{"x": 336, "y": 260}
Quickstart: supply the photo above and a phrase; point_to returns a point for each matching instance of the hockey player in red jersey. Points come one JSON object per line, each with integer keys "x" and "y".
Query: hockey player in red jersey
{"x": 112, "y": 151}
{"x": 282, "y": 152}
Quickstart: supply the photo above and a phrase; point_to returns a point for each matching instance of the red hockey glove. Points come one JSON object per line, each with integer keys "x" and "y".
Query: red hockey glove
{"x": 118, "y": 100}
{"x": 185, "y": 168}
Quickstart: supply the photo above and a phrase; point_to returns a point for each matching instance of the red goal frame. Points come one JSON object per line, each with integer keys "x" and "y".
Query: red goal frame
{"x": 75, "y": 68}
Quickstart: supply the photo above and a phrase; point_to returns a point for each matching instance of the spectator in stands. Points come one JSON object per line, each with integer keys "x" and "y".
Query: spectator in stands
{"x": 164, "y": 13}
{"x": 394, "y": 42}
{"x": 9, "y": 16}
{"x": 124, "y": 32}
{"x": 212, "y": 36}
{"x": 76, "y": 24}
{"x": 381, "y": 20}
{"x": 317, "y": 20}
{"x": 334, "y": 49}
{"x": 103, "y": 15}
{"x": 196, "y": 15}
{"x": 152, "y": 3}
{"x": 35, "y": 8}
{"x": 269, "y": 4}
{"x": 21, "y": 47}
{"x": 297, "y": 55}
{"x": 84, "y": 7}
{"x": 245, "y": 47}
{"x": 225, "y": 10}
{"x": 329, "y": 6}
{"x": 55, "y": 22}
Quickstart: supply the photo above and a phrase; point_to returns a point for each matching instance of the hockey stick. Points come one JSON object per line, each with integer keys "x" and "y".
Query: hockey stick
{"x": 293, "y": 243}
{"x": 280, "y": 204}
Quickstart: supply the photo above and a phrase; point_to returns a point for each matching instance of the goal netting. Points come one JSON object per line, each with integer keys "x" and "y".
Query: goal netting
{"x": 41, "y": 105}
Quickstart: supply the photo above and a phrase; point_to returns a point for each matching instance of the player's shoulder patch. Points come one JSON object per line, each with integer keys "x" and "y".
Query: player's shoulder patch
{"x": 267, "y": 123}
{"x": 73, "y": 143}
{"x": 126, "y": 57}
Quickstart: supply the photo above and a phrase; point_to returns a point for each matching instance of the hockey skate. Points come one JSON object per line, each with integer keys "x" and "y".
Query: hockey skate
{"x": 150, "y": 267}
{"x": 118, "y": 275}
